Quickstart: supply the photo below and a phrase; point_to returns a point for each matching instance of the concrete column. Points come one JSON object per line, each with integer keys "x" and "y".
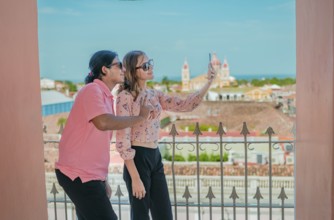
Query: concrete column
{"x": 315, "y": 85}
{"x": 22, "y": 183}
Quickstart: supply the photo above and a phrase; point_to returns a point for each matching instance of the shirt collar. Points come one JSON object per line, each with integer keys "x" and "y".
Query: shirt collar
{"x": 104, "y": 87}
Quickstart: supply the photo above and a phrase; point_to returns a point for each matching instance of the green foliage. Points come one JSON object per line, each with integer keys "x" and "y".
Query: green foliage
{"x": 258, "y": 83}
{"x": 225, "y": 156}
{"x": 202, "y": 127}
{"x": 215, "y": 157}
{"x": 274, "y": 80}
{"x": 192, "y": 157}
{"x": 61, "y": 121}
{"x": 71, "y": 86}
{"x": 150, "y": 84}
{"x": 167, "y": 82}
{"x": 164, "y": 122}
{"x": 177, "y": 157}
{"x": 242, "y": 82}
{"x": 205, "y": 157}
{"x": 166, "y": 155}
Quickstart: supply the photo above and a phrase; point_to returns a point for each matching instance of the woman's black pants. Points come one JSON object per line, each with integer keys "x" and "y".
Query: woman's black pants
{"x": 151, "y": 171}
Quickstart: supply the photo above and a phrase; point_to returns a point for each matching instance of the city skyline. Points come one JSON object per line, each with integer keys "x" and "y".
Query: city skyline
{"x": 257, "y": 38}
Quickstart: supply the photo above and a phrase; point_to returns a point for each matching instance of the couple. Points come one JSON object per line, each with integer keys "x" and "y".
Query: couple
{"x": 84, "y": 149}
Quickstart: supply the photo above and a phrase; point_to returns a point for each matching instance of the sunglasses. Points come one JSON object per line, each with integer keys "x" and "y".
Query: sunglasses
{"x": 118, "y": 64}
{"x": 146, "y": 66}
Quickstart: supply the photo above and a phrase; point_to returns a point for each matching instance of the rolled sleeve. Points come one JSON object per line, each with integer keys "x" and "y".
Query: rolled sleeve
{"x": 123, "y": 137}
{"x": 93, "y": 104}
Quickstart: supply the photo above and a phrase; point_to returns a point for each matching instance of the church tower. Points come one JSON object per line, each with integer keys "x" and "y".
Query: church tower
{"x": 225, "y": 70}
{"x": 225, "y": 76}
{"x": 217, "y": 66}
{"x": 185, "y": 76}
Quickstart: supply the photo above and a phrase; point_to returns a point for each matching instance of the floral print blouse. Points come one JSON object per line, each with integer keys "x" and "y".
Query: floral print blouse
{"x": 148, "y": 130}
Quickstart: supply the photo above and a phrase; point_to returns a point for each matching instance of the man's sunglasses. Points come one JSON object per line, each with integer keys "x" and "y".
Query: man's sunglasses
{"x": 146, "y": 66}
{"x": 118, "y": 64}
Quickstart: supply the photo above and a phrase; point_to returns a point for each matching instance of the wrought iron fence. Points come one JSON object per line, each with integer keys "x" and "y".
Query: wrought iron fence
{"x": 218, "y": 195}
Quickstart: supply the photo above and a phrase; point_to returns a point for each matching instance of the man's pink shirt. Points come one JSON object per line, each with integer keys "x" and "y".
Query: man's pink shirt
{"x": 84, "y": 151}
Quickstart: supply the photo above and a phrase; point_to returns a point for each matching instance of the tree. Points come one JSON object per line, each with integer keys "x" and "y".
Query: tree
{"x": 61, "y": 123}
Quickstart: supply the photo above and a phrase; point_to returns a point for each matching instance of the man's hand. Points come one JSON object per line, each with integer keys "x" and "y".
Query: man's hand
{"x": 108, "y": 189}
{"x": 211, "y": 75}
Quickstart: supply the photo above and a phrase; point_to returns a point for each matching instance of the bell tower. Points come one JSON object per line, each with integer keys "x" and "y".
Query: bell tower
{"x": 185, "y": 76}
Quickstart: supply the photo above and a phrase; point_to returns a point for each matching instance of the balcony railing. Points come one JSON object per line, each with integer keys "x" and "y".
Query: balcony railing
{"x": 256, "y": 182}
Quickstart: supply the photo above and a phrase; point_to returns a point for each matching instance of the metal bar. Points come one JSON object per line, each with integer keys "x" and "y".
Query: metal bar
{"x": 187, "y": 196}
{"x": 198, "y": 181}
{"x": 282, "y": 196}
{"x": 54, "y": 192}
{"x": 65, "y": 206}
{"x": 283, "y": 210}
{"x": 221, "y": 132}
{"x": 119, "y": 194}
{"x": 270, "y": 132}
{"x": 221, "y": 178}
{"x": 197, "y": 132}
{"x": 55, "y": 206}
{"x": 119, "y": 209}
{"x": 187, "y": 209}
{"x": 210, "y": 196}
{"x": 258, "y": 196}
{"x": 210, "y": 208}
{"x": 234, "y": 210}
{"x": 174, "y": 185}
{"x": 245, "y": 132}
{"x": 258, "y": 209}
{"x": 174, "y": 133}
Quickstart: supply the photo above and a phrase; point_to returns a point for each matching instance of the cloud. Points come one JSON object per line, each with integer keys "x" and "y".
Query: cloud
{"x": 169, "y": 13}
{"x": 243, "y": 23}
{"x": 57, "y": 11}
{"x": 179, "y": 45}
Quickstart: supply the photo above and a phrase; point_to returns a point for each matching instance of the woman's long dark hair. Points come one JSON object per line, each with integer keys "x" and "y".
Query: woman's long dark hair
{"x": 97, "y": 61}
{"x": 130, "y": 61}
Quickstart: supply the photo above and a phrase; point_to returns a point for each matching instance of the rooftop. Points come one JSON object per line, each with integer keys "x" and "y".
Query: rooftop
{"x": 54, "y": 97}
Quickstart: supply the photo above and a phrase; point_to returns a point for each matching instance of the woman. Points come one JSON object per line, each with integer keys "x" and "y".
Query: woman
{"x": 138, "y": 145}
{"x": 82, "y": 167}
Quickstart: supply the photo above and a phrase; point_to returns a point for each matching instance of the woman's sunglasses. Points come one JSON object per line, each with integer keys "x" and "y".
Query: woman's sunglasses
{"x": 118, "y": 64}
{"x": 146, "y": 66}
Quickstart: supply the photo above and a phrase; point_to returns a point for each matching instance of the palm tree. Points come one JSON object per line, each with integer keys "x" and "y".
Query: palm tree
{"x": 61, "y": 123}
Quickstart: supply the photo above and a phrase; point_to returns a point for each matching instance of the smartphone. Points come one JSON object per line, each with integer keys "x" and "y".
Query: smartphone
{"x": 210, "y": 62}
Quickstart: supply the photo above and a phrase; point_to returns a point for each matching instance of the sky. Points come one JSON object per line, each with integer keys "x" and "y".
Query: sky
{"x": 257, "y": 38}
